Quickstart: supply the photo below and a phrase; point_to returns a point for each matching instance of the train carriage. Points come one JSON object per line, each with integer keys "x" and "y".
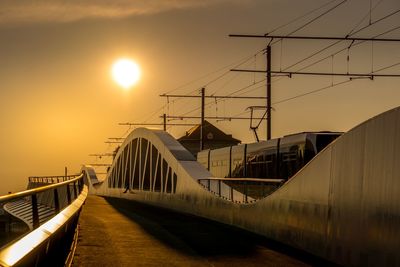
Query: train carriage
{"x": 277, "y": 158}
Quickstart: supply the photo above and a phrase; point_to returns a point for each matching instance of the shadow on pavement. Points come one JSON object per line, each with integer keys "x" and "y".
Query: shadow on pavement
{"x": 204, "y": 237}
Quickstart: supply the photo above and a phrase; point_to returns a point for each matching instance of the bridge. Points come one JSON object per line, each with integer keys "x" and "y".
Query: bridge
{"x": 342, "y": 208}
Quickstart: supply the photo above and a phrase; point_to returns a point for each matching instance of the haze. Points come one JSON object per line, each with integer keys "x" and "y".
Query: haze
{"x": 58, "y": 102}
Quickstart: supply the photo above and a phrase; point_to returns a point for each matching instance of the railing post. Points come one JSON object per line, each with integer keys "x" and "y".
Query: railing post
{"x": 209, "y": 185}
{"x": 219, "y": 188}
{"x": 35, "y": 212}
{"x": 75, "y": 194}
{"x": 80, "y": 185}
{"x": 245, "y": 192}
{"x": 68, "y": 195}
{"x": 56, "y": 201}
{"x": 231, "y": 192}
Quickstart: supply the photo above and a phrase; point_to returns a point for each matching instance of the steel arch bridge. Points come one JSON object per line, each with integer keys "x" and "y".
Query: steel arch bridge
{"x": 343, "y": 206}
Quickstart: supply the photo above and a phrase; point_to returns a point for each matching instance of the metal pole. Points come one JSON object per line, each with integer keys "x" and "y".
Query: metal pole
{"x": 68, "y": 195}
{"x": 268, "y": 117}
{"x": 66, "y": 173}
{"x": 56, "y": 201}
{"x": 202, "y": 120}
{"x": 165, "y": 122}
{"x": 35, "y": 212}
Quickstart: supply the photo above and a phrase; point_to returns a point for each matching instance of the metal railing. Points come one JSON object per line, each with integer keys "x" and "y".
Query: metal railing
{"x": 51, "y": 179}
{"x": 49, "y": 243}
{"x": 241, "y": 190}
{"x": 73, "y": 185}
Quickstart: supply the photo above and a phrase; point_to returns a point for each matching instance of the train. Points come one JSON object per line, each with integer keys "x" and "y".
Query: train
{"x": 278, "y": 158}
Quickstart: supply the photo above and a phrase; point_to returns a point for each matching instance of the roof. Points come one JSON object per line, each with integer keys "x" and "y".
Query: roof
{"x": 211, "y": 133}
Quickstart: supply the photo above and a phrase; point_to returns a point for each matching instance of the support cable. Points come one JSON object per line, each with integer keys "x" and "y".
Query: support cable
{"x": 365, "y": 17}
{"x": 310, "y": 92}
{"x": 343, "y": 49}
{"x": 388, "y": 67}
{"x": 376, "y": 21}
{"x": 350, "y": 34}
{"x": 316, "y": 18}
{"x": 300, "y": 17}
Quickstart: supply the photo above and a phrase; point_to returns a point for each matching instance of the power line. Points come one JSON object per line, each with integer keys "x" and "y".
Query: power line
{"x": 180, "y": 117}
{"x": 376, "y": 21}
{"x": 156, "y": 124}
{"x": 291, "y": 73}
{"x": 302, "y": 16}
{"x": 216, "y": 96}
{"x": 388, "y": 67}
{"x": 310, "y": 92}
{"x": 337, "y": 52}
{"x": 314, "y": 19}
{"x": 313, "y": 37}
{"x": 236, "y": 63}
{"x": 366, "y": 16}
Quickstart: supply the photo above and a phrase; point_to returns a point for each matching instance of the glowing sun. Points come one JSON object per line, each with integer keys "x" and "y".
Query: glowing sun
{"x": 125, "y": 72}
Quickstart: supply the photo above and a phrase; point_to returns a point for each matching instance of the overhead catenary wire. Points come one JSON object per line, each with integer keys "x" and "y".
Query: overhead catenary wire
{"x": 376, "y": 21}
{"x": 309, "y": 22}
{"x": 348, "y": 35}
{"x": 344, "y": 49}
{"x": 330, "y": 56}
{"x": 365, "y": 17}
{"x": 316, "y": 18}
{"x": 312, "y": 11}
{"x": 301, "y": 17}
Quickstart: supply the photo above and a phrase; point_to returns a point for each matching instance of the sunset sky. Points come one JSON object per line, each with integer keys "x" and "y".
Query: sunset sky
{"x": 58, "y": 102}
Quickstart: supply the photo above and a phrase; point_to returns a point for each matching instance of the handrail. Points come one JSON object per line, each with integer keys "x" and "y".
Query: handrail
{"x": 227, "y": 191}
{"x": 55, "y": 176}
{"x": 278, "y": 181}
{"x": 29, "y": 192}
{"x": 29, "y": 250}
{"x": 33, "y": 194}
{"x": 51, "y": 179}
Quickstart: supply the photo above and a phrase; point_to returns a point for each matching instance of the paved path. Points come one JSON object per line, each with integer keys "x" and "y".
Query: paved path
{"x": 117, "y": 232}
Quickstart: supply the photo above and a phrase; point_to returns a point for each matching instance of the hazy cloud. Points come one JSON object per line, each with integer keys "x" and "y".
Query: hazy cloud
{"x": 12, "y": 11}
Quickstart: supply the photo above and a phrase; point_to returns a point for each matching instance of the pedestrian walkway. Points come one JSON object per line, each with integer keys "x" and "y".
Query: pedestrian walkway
{"x": 118, "y": 232}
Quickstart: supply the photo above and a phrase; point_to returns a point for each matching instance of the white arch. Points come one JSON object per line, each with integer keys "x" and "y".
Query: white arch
{"x": 343, "y": 206}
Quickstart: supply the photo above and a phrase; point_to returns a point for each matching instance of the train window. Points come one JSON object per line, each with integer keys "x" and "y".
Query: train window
{"x": 309, "y": 152}
{"x": 237, "y": 168}
{"x": 324, "y": 140}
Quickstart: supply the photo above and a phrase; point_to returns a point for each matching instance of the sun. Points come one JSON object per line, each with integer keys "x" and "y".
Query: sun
{"x": 125, "y": 72}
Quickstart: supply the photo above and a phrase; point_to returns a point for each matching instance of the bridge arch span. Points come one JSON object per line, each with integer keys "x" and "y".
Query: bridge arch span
{"x": 343, "y": 206}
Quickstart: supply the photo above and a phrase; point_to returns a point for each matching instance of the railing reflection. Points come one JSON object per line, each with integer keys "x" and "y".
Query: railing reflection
{"x": 241, "y": 190}
{"x": 53, "y": 212}
{"x": 54, "y": 197}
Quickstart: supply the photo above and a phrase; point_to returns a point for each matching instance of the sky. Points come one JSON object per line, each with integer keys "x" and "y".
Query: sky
{"x": 58, "y": 102}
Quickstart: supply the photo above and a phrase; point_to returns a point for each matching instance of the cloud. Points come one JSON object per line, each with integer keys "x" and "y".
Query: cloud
{"x": 21, "y": 11}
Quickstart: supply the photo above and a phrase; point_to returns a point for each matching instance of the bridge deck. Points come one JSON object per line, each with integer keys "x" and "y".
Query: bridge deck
{"x": 117, "y": 232}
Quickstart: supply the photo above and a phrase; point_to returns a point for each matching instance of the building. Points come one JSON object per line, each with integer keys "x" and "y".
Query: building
{"x": 213, "y": 138}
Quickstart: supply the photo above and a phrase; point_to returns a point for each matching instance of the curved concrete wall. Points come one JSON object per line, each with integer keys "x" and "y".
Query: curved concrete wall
{"x": 343, "y": 206}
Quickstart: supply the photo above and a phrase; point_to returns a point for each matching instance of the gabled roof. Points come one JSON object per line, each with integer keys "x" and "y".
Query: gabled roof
{"x": 211, "y": 133}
